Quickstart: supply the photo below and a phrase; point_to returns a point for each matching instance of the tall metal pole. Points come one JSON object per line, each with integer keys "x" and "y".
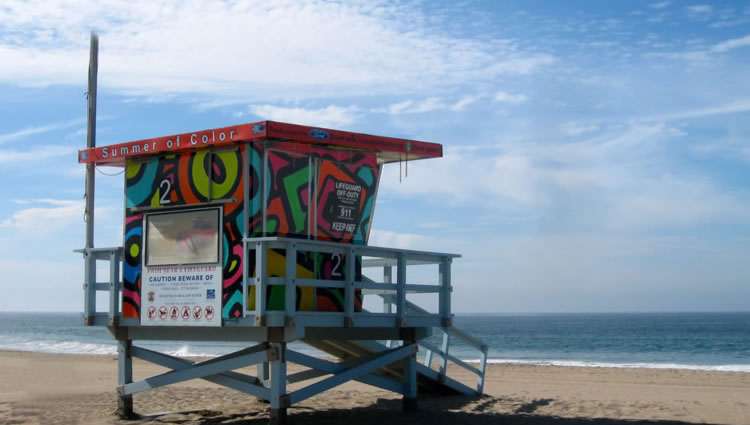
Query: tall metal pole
{"x": 89, "y": 259}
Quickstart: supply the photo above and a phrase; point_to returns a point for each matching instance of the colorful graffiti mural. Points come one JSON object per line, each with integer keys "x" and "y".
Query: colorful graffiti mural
{"x": 179, "y": 180}
{"x": 290, "y": 189}
{"x": 342, "y": 202}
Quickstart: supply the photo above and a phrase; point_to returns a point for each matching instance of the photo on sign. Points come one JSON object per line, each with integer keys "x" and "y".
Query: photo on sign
{"x": 184, "y": 237}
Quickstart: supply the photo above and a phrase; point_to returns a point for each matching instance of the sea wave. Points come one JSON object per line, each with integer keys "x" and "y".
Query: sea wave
{"x": 110, "y": 349}
{"x": 69, "y": 347}
{"x": 576, "y": 363}
{"x": 200, "y": 350}
{"x": 61, "y": 347}
{"x": 188, "y": 351}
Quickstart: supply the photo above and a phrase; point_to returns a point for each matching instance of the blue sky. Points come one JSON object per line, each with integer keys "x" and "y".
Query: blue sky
{"x": 597, "y": 155}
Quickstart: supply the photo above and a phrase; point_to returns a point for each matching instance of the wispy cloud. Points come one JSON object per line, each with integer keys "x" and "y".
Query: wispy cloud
{"x": 464, "y": 102}
{"x": 401, "y": 240}
{"x": 330, "y": 116}
{"x": 734, "y": 43}
{"x": 214, "y": 48}
{"x": 659, "y": 5}
{"x": 54, "y": 213}
{"x": 607, "y": 182}
{"x": 699, "y": 9}
{"x": 417, "y": 106}
{"x": 20, "y": 158}
{"x": 505, "y": 97}
{"x": 576, "y": 129}
{"x": 721, "y": 109}
{"x": 30, "y": 131}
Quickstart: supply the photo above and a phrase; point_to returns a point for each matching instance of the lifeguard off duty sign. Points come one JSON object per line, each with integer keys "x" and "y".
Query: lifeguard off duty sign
{"x": 181, "y": 296}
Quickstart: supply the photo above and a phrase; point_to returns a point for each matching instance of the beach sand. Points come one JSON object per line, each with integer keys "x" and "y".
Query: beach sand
{"x": 40, "y": 388}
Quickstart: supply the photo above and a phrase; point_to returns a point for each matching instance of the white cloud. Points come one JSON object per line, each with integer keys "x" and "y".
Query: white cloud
{"x": 250, "y": 49}
{"x": 415, "y": 107}
{"x": 733, "y": 149}
{"x": 21, "y": 158}
{"x": 699, "y": 9}
{"x": 727, "y": 108}
{"x": 29, "y": 131}
{"x": 572, "y": 128}
{"x": 735, "y": 43}
{"x": 611, "y": 182}
{"x": 330, "y": 116}
{"x": 659, "y": 5}
{"x": 395, "y": 239}
{"x": 400, "y": 107}
{"x": 55, "y": 214}
{"x": 696, "y": 56}
{"x": 464, "y": 102}
{"x": 505, "y": 97}
{"x": 466, "y": 175}
{"x": 669, "y": 201}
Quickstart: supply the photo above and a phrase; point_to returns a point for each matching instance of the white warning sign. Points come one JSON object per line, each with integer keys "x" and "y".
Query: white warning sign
{"x": 181, "y": 295}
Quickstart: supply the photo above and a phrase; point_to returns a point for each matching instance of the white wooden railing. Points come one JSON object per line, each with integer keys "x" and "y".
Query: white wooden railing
{"x": 400, "y": 316}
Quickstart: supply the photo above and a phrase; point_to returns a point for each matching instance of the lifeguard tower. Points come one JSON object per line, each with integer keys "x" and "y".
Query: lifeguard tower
{"x": 258, "y": 233}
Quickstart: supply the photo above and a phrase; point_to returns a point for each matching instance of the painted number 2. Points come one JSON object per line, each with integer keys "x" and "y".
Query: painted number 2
{"x": 165, "y": 186}
{"x": 335, "y": 271}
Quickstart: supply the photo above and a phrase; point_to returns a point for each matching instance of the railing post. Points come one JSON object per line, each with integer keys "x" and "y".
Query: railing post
{"x": 445, "y": 292}
{"x": 114, "y": 287}
{"x": 245, "y": 277}
{"x": 89, "y": 287}
{"x": 290, "y": 287}
{"x": 349, "y": 288}
{"x": 260, "y": 284}
{"x": 387, "y": 304}
{"x": 401, "y": 290}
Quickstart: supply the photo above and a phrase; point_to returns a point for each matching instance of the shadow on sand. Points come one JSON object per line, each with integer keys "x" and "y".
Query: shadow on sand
{"x": 432, "y": 411}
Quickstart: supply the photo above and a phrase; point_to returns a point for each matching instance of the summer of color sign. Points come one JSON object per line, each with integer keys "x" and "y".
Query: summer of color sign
{"x": 196, "y": 139}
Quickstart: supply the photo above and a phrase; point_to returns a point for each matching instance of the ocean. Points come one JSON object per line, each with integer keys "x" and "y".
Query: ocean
{"x": 708, "y": 341}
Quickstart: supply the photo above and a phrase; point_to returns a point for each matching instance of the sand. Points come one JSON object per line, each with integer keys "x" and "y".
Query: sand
{"x": 72, "y": 389}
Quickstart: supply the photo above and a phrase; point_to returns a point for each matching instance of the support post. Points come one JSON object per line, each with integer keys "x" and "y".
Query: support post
{"x": 482, "y": 370}
{"x": 114, "y": 287}
{"x": 445, "y": 293}
{"x": 124, "y": 376}
{"x": 279, "y": 398}
{"x": 387, "y": 305}
{"x": 410, "y": 380}
{"x": 261, "y": 371}
{"x": 260, "y": 284}
{"x": 444, "y": 359}
{"x": 290, "y": 286}
{"x": 349, "y": 274}
{"x": 401, "y": 290}
{"x": 245, "y": 277}
{"x": 245, "y": 228}
{"x": 89, "y": 303}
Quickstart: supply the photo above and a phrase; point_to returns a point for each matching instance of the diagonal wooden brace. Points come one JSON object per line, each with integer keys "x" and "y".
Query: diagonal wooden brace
{"x": 320, "y": 367}
{"x": 376, "y": 361}
{"x": 236, "y": 381}
{"x": 217, "y": 369}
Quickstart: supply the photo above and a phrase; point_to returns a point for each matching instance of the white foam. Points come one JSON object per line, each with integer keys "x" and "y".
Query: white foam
{"x": 61, "y": 347}
{"x": 186, "y": 351}
{"x": 575, "y": 363}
